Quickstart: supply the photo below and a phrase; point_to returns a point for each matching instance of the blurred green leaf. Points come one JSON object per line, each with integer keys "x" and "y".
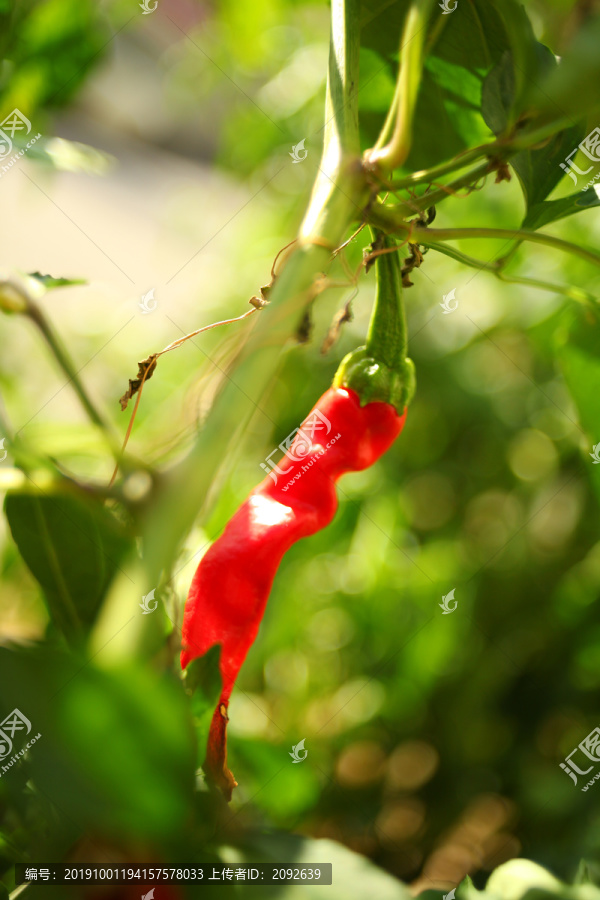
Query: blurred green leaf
{"x": 203, "y": 683}
{"x": 116, "y": 752}
{"x": 539, "y": 170}
{"x": 73, "y": 547}
{"x": 49, "y": 281}
{"x": 53, "y": 46}
{"x": 572, "y": 88}
{"x": 498, "y": 94}
{"x": 465, "y": 47}
{"x": 578, "y": 349}
{"x": 68, "y": 156}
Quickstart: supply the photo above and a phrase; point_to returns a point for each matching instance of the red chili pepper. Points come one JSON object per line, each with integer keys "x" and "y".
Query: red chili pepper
{"x": 229, "y": 592}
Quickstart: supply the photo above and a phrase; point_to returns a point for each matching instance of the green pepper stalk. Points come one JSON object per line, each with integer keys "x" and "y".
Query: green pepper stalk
{"x": 381, "y": 370}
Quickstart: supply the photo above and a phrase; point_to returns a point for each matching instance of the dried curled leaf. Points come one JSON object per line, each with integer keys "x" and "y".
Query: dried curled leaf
{"x": 342, "y": 316}
{"x": 146, "y": 369}
{"x": 370, "y": 252}
{"x": 305, "y": 327}
{"x": 412, "y": 262}
{"x": 502, "y": 173}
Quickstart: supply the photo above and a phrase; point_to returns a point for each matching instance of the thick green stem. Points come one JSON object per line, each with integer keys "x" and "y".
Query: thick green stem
{"x": 338, "y": 198}
{"x": 394, "y": 153}
{"x": 340, "y": 188}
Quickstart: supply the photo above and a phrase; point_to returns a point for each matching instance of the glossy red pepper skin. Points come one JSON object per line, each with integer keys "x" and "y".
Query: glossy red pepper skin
{"x": 231, "y": 586}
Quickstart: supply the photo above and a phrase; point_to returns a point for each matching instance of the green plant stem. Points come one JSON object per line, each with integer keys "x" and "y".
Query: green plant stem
{"x": 339, "y": 195}
{"x": 573, "y": 293}
{"x": 385, "y": 219}
{"x": 500, "y": 149}
{"x": 395, "y": 151}
{"x": 417, "y": 204}
{"x": 497, "y": 268}
{"x": 64, "y": 361}
{"x": 433, "y": 235}
{"x": 386, "y": 338}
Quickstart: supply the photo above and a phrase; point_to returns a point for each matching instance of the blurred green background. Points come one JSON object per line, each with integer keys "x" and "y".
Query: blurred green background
{"x": 434, "y": 741}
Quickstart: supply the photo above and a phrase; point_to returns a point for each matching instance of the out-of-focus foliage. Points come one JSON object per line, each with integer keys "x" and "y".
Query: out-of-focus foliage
{"x": 434, "y": 741}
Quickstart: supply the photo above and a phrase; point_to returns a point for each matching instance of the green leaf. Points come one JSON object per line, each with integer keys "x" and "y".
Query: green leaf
{"x": 514, "y": 879}
{"x": 68, "y": 156}
{"x": 203, "y": 684}
{"x": 583, "y": 875}
{"x": 354, "y": 877}
{"x": 571, "y": 89}
{"x": 539, "y": 171}
{"x": 116, "y": 753}
{"x": 49, "y": 281}
{"x": 541, "y": 214}
{"x": 498, "y": 94}
{"x": 73, "y": 547}
{"x": 463, "y": 48}
{"x": 377, "y": 78}
{"x": 577, "y": 354}
{"x": 449, "y": 119}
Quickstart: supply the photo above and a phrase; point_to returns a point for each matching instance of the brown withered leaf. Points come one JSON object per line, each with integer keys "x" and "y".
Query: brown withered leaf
{"x": 341, "y": 317}
{"x": 146, "y": 369}
{"x": 412, "y": 262}
{"x": 372, "y": 248}
{"x": 502, "y": 173}
{"x": 305, "y": 327}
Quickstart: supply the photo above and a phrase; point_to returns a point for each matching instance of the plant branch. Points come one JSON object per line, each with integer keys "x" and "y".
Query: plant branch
{"x": 573, "y": 293}
{"x": 66, "y": 364}
{"x": 497, "y": 268}
{"x": 418, "y": 204}
{"x": 500, "y": 149}
{"x": 402, "y": 109}
{"x": 16, "y": 298}
{"x": 389, "y": 220}
{"x": 339, "y": 196}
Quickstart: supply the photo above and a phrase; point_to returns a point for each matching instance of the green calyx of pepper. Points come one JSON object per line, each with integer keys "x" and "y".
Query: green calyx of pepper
{"x": 381, "y": 370}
